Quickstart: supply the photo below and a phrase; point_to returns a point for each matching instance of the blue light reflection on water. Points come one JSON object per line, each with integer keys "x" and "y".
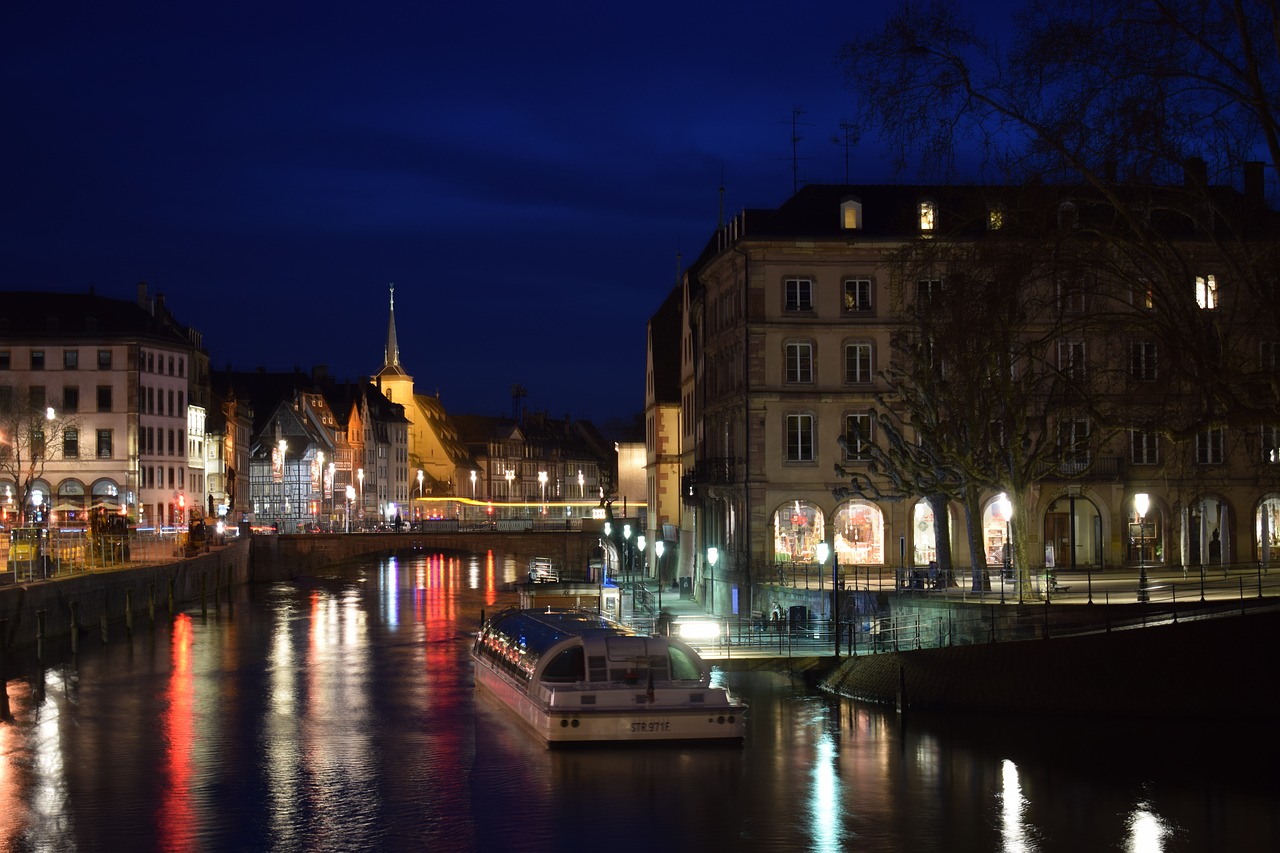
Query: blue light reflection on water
{"x": 338, "y": 713}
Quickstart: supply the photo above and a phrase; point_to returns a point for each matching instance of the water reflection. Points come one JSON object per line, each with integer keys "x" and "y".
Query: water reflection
{"x": 177, "y": 814}
{"x": 1014, "y": 834}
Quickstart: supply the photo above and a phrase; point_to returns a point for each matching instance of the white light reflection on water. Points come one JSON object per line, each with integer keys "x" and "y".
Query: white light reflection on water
{"x": 1147, "y": 830}
{"x": 280, "y": 731}
{"x": 1014, "y": 834}
{"x": 824, "y": 807}
{"x": 389, "y": 582}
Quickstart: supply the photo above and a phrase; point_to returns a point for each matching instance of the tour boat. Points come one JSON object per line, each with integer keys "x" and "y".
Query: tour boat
{"x": 573, "y": 676}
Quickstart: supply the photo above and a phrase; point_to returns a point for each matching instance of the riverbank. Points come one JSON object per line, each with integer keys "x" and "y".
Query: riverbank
{"x": 65, "y": 607}
{"x": 1212, "y": 669}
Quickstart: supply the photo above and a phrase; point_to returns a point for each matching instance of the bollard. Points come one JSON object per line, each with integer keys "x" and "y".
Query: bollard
{"x": 75, "y": 621}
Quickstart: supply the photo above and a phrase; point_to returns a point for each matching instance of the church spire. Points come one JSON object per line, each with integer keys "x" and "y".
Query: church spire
{"x": 391, "y": 358}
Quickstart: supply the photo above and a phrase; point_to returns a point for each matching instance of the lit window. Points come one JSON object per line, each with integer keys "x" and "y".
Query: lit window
{"x": 799, "y": 294}
{"x": 1073, "y": 442}
{"x": 928, "y": 216}
{"x": 1271, "y": 444}
{"x": 799, "y": 438}
{"x": 995, "y": 218}
{"x": 800, "y": 362}
{"x": 1143, "y": 296}
{"x": 1207, "y": 292}
{"x": 857, "y": 294}
{"x": 857, "y": 437}
{"x": 850, "y": 214}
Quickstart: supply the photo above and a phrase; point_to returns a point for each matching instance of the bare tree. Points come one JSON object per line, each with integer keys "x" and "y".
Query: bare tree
{"x": 30, "y": 437}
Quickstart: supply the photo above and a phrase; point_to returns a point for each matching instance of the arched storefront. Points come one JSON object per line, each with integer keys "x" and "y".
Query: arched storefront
{"x": 1058, "y": 527}
{"x": 9, "y": 509}
{"x": 1144, "y": 534}
{"x": 996, "y": 531}
{"x": 798, "y": 527}
{"x": 924, "y": 534}
{"x": 1206, "y": 533}
{"x": 858, "y": 534}
{"x": 70, "y": 505}
{"x": 1266, "y": 528}
{"x": 106, "y": 495}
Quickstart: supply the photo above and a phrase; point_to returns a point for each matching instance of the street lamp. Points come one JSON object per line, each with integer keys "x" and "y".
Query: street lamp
{"x": 713, "y": 556}
{"x": 473, "y": 484}
{"x": 332, "y": 497}
{"x": 542, "y": 481}
{"x": 1141, "y": 503}
{"x": 284, "y": 485}
{"x": 509, "y": 475}
{"x": 582, "y": 488}
{"x": 351, "y": 495}
{"x": 360, "y": 511}
{"x": 419, "y": 494}
{"x": 821, "y": 551}
{"x": 640, "y": 543}
{"x": 626, "y": 540}
{"x": 1006, "y": 511}
{"x": 608, "y": 536}
{"x": 658, "y": 548}
{"x": 319, "y": 507}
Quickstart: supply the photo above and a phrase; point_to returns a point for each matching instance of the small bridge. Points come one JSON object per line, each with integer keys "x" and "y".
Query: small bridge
{"x": 569, "y": 549}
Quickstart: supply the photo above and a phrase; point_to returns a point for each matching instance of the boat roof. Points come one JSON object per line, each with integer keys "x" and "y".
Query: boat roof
{"x": 543, "y": 628}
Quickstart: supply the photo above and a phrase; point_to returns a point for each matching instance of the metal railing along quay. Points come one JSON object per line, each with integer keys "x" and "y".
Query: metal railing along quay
{"x": 65, "y": 553}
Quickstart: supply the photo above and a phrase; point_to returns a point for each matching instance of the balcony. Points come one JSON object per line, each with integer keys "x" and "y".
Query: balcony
{"x": 717, "y": 471}
{"x": 1108, "y": 468}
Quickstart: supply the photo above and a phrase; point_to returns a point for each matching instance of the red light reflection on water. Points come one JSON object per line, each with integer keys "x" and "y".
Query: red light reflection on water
{"x": 177, "y": 815}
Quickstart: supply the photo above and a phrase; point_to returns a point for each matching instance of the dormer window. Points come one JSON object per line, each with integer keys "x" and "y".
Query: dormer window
{"x": 851, "y": 214}
{"x": 928, "y": 217}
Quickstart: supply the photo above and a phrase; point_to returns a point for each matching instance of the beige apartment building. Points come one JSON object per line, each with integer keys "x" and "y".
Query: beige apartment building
{"x": 791, "y": 316}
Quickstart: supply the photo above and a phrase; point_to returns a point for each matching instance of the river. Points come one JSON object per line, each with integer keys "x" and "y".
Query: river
{"x": 338, "y": 713}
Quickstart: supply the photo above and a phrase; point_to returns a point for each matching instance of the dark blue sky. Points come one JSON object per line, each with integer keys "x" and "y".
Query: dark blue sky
{"x": 524, "y": 173}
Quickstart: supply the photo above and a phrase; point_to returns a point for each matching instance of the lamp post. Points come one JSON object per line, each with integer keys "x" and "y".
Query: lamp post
{"x": 284, "y": 485}
{"x": 582, "y": 487}
{"x": 509, "y": 475}
{"x": 360, "y": 509}
{"x": 658, "y": 548}
{"x": 1006, "y": 510}
{"x": 332, "y": 496}
{"x": 608, "y": 536}
{"x": 821, "y": 551}
{"x": 473, "y": 484}
{"x": 713, "y": 556}
{"x": 640, "y": 543}
{"x": 319, "y": 506}
{"x": 419, "y": 494}
{"x": 626, "y": 548}
{"x": 542, "y": 482}
{"x": 1141, "y": 503}
{"x": 351, "y": 495}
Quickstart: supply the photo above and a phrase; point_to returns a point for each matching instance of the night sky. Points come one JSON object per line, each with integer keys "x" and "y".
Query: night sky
{"x": 525, "y": 173}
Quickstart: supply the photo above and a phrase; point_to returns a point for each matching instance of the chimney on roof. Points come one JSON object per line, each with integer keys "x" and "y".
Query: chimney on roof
{"x": 160, "y": 302}
{"x": 1254, "y": 186}
{"x": 143, "y": 301}
{"x": 1195, "y": 172}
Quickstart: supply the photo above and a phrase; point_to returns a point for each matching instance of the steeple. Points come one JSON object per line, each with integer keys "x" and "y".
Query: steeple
{"x": 391, "y": 358}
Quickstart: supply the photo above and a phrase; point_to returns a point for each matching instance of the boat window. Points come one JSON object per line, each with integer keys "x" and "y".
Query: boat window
{"x": 683, "y": 666}
{"x": 567, "y": 667}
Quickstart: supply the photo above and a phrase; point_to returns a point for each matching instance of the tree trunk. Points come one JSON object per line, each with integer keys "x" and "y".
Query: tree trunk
{"x": 981, "y": 580}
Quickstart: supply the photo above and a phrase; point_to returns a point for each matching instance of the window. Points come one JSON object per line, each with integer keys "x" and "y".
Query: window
{"x": 37, "y": 359}
{"x": 104, "y": 398}
{"x": 1071, "y": 295}
{"x": 857, "y": 362}
{"x": 35, "y": 394}
{"x": 70, "y": 443}
{"x": 1071, "y": 359}
{"x": 995, "y": 218}
{"x": 1073, "y": 441}
{"x": 170, "y": 365}
{"x": 857, "y": 437}
{"x": 70, "y": 359}
{"x": 151, "y": 362}
{"x": 1269, "y": 355}
{"x": 1207, "y": 292}
{"x": 4, "y": 359}
{"x": 151, "y": 441}
{"x": 857, "y": 295}
{"x": 182, "y": 367}
{"x": 850, "y": 214}
{"x": 799, "y": 294}
{"x": 1209, "y": 447}
{"x": 1144, "y": 447}
{"x": 151, "y": 401}
{"x": 171, "y": 444}
{"x": 928, "y": 288}
{"x": 1143, "y": 295}
{"x": 928, "y": 216}
{"x": 1142, "y": 361}
{"x": 104, "y": 359}
{"x": 1271, "y": 444}
{"x": 71, "y": 399}
{"x": 799, "y": 362}
{"x": 172, "y": 410}
{"x": 104, "y": 444}
{"x": 799, "y": 438}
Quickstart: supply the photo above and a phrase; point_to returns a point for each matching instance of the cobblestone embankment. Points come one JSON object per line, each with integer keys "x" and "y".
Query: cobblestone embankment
{"x": 1219, "y": 668}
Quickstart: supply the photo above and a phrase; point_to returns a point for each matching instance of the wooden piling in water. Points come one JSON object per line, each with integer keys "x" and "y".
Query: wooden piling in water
{"x": 75, "y": 624}
{"x": 40, "y": 618}
{"x": 128, "y": 612}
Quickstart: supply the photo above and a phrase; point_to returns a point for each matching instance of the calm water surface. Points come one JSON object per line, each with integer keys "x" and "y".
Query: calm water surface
{"x": 338, "y": 713}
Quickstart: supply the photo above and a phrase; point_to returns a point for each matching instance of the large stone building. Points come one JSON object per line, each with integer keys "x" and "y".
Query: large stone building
{"x": 799, "y": 324}
{"x": 120, "y": 386}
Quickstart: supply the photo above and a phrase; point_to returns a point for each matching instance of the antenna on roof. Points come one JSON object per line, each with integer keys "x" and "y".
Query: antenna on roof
{"x": 720, "y": 222}
{"x": 796, "y": 112}
{"x": 848, "y": 137}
